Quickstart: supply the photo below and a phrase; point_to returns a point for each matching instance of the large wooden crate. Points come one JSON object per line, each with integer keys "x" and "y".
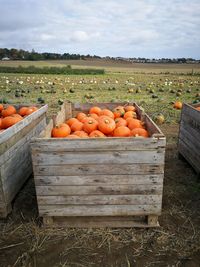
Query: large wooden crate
{"x": 189, "y": 135}
{"x": 99, "y": 182}
{"x": 15, "y": 156}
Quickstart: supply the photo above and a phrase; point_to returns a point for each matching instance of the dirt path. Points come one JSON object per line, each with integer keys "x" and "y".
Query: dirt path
{"x": 176, "y": 243}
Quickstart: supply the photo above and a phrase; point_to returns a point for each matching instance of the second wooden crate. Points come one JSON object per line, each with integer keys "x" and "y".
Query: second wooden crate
{"x": 98, "y": 182}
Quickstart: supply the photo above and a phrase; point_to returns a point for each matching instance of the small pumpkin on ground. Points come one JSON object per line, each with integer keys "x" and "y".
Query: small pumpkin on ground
{"x": 178, "y": 105}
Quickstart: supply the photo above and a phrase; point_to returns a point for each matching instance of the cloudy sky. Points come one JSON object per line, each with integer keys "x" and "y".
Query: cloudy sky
{"x": 130, "y": 28}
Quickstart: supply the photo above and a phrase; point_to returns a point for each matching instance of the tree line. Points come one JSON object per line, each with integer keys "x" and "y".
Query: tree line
{"x": 20, "y": 54}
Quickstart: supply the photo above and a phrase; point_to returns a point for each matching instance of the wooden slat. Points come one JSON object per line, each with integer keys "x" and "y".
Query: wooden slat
{"x": 57, "y": 190}
{"x": 189, "y": 123}
{"x": 60, "y": 117}
{"x": 191, "y": 112}
{"x": 8, "y": 133}
{"x": 113, "y": 144}
{"x": 100, "y": 200}
{"x": 15, "y": 137}
{"x": 98, "y": 222}
{"x": 189, "y": 155}
{"x": 78, "y": 169}
{"x": 10, "y": 152}
{"x": 99, "y": 210}
{"x": 99, "y": 179}
{"x": 108, "y": 157}
{"x": 192, "y": 140}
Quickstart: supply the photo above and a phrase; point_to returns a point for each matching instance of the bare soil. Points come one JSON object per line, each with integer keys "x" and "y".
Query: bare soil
{"x": 25, "y": 243}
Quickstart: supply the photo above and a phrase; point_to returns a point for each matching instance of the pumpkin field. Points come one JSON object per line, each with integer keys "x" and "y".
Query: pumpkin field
{"x": 159, "y": 91}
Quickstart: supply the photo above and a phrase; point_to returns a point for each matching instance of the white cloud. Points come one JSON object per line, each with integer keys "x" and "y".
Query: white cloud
{"x": 108, "y": 27}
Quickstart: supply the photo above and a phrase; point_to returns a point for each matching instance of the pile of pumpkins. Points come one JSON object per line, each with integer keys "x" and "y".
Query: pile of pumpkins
{"x": 99, "y": 123}
{"x": 10, "y": 116}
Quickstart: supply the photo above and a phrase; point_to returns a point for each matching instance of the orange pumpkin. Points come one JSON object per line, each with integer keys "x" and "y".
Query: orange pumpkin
{"x": 72, "y": 136}
{"x": 90, "y": 125}
{"x": 71, "y": 121}
{"x": 81, "y": 134}
{"x": 0, "y": 122}
{"x": 61, "y": 131}
{"x": 178, "y": 105}
{"x": 106, "y": 112}
{"x": 80, "y": 116}
{"x": 106, "y": 124}
{"x": 120, "y": 122}
{"x": 93, "y": 115}
{"x": 30, "y": 110}
{"x": 23, "y": 111}
{"x": 129, "y": 108}
{"x": 131, "y": 114}
{"x": 1, "y": 107}
{"x": 119, "y": 112}
{"x": 77, "y": 126}
{"x": 10, "y": 121}
{"x": 10, "y": 110}
{"x": 135, "y": 123}
{"x": 96, "y": 134}
{"x": 95, "y": 110}
{"x": 198, "y": 108}
{"x": 122, "y": 131}
{"x": 136, "y": 132}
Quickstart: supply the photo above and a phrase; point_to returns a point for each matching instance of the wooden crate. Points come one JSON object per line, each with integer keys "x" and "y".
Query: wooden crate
{"x": 189, "y": 135}
{"x": 15, "y": 156}
{"x": 99, "y": 182}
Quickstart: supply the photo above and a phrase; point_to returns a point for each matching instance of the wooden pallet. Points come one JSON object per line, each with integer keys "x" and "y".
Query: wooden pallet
{"x": 102, "y": 222}
{"x": 189, "y": 136}
{"x": 15, "y": 156}
{"x": 99, "y": 178}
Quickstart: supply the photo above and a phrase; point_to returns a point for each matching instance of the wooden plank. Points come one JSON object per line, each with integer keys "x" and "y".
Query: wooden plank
{"x": 46, "y": 133}
{"x": 192, "y": 140}
{"x": 5, "y": 145}
{"x": 24, "y": 139}
{"x": 98, "y": 222}
{"x": 99, "y": 210}
{"x": 99, "y": 179}
{"x": 191, "y": 112}
{"x": 152, "y": 220}
{"x": 100, "y": 200}
{"x": 68, "y": 110}
{"x": 114, "y": 144}
{"x": 112, "y": 169}
{"x": 57, "y": 190}
{"x": 152, "y": 128}
{"x": 8, "y": 133}
{"x": 189, "y": 122}
{"x": 108, "y": 157}
{"x": 60, "y": 117}
{"x": 189, "y": 155}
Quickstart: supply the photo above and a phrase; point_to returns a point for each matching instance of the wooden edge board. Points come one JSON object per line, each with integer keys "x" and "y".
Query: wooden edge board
{"x": 103, "y": 222}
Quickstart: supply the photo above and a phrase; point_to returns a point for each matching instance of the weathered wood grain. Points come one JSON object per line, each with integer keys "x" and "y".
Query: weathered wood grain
{"x": 99, "y": 210}
{"x": 57, "y": 190}
{"x": 112, "y": 144}
{"x": 105, "y": 178}
{"x": 100, "y": 200}
{"x": 98, "y": 222}
{"x": 103, "y": 157}
{"x": 99, "y": 179}
{"x": 15, "y": 156}
{"x": 86, "y": 169}
{"x": 189, "y": 136}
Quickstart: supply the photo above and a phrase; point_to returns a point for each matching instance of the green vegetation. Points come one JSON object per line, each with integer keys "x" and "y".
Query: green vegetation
{"x": 50, "y": 70}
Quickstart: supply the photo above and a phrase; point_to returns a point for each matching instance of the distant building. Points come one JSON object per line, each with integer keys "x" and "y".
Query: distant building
{"x": 5, "y": 58}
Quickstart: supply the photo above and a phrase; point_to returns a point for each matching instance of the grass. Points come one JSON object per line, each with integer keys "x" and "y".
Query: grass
{"x": 110, "y": 87}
